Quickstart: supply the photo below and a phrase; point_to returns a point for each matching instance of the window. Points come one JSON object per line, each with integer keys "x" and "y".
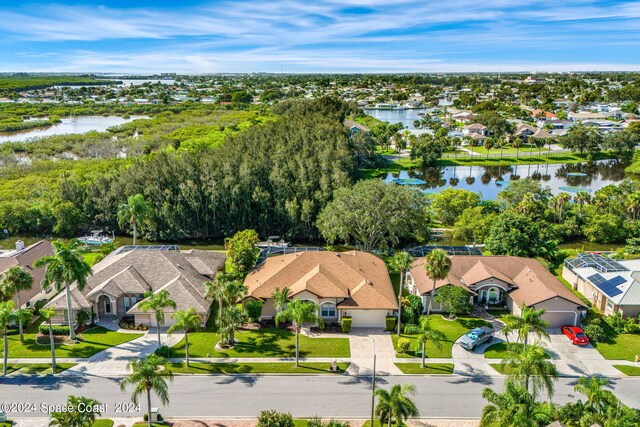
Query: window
{"x": 107, "y": 305}
{"x": 609, "y": 304}
{"x": 328, "y": 310}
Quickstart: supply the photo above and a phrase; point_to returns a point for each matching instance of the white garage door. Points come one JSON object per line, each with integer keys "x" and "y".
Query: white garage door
{"x": 558, "y": 319}
{"x": 368, "y": 318}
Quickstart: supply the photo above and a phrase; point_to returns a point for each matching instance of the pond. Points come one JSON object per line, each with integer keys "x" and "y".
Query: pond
{"x": 406, "y": 117}
{"x": 81, "y": 124}
{"x": 488, "y": 181}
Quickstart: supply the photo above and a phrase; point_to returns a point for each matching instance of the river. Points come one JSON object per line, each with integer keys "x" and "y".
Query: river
{"x": 80, "y": 124}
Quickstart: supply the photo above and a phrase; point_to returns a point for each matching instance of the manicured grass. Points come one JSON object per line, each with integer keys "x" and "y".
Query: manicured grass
{"x": 43, "y": 368}
{"x": 620, "y": 347}
{"x": 376, "y": 423}
{"x": 565, "y": 158}
{"x": 103, "y": 423}
{"x": 632, "y": 371}
{"x": 255, "y": 368}
{"x": 272, "y": 342}
{"x": 453, "y": 330}
{"x": 11, "y": 367}
{"x": 91, "y": 257}
{"x": 430, "y": 368}
{"x": 144, "y": 424}
{"x": 6, "y": 423}
{"x": 504, "y": 370}
{"x": 500, "y": 350}
{"x": 92, "y": 341}
{"x": 524, "y": 149}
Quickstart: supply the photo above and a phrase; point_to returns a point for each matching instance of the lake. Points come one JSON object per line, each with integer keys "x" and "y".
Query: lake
{"x": 406, "y": 117}
{"x": 81, "y": 124}
{"x": 485, "y": 180}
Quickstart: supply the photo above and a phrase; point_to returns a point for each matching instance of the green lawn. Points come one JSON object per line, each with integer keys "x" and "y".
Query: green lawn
{"x": 103, "y": 423}
{"x": 93, "y": 341}
{"x": 632, "y": 371}
{"x": 501, "y": 369}
{"x": 500, "y": 350}
{"x": 255, "y": 368}
{"x": 11, "y": 367}
{"x": 620, "y": 347}
{"x": 525, "y": 149}
{"x": 272, "y": 342}
{"x": 43, "y": 368}
{"x": 452, "y": 330}
{"x": 6, "y": 423}
{"x": 91, "y": 257}
{"x": 430, "y": 368}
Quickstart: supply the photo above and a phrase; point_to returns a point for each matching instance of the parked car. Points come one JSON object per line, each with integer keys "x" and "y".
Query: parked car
{"x": 472, "y": 339}
{"x": 576, "y": 335}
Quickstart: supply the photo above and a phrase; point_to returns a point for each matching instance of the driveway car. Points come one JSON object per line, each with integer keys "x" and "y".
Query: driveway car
{"x": 472, "y": 339}
{"x": 576, "y": 335}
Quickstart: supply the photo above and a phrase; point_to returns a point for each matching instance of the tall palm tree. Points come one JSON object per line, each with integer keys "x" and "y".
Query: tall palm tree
{"x": 597, "y": 398}
{"x": 14, "y": 280}
{"x": 134, "y": 213}
{"x": 280, "y": 298}
{"x": 215, "y": 289}
{"x": 396, "y": 404}
{"x": 437, "y": 264}
{"x": 563, "y": 199}
{"x": 427, "y": 333}
{"x": 633, "y": 204}
{"x": 47, "y": 314}
{"x": 517, "y": 143}
{"x": 23, "y": 316}
{"x": 528, "y": 366}
{"x": 7, "y": 317}
{"x": 147, "y": 375}
{"x": 232, "y": 318}
{"x": 515, "y": 407}
{"x": 188, "y": 321}
{"x": 581, "y": 198}
{"x": 528, "y": 322}
{"x": 299, "y": 312}
{"x": 401, "y": 262}
{"x": 63, "y": 268}
{"x": 158, "y": 303}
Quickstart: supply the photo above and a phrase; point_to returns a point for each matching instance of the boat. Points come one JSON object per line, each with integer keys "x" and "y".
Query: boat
{"x": 96, "y": 238}
{"x": 408, "y": 181}
{"x": 476, "y": 245}
{"x": 573, "y": 189}
{"x": 274, "y": 242}
{"x": 577, "y": 174}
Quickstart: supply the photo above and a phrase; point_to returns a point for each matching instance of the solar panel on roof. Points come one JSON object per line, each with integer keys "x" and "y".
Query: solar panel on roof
{"x": 610, "y": 289}
{"x": 618, "y": 280}
{"x": 597, "y": 279}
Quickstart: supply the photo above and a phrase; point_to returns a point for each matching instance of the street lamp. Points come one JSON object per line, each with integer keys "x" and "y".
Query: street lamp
{"x": 373, "y": 381}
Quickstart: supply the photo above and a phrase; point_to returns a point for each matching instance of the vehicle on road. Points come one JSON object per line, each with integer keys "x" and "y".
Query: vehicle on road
{"x": 576, "y": 335}
{"x": 475, "y": 337}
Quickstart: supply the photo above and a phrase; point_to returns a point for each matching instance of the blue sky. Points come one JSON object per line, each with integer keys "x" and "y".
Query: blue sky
{"x": 189, "y": 36}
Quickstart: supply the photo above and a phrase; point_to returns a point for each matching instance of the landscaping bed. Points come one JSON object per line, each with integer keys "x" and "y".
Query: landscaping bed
{"x": 452, "y": 329}
{"x": 256, "y": 368}
{"x": 430, "y": 368}
{"x": 268, "y": 342}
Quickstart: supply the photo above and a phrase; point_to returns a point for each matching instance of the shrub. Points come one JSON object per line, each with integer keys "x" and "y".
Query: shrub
{"x": 254, "y": 310}
{"x": 346, "y": 324}
{"x": 163, "y": 351}
{"x": 595, "y": 332}
{"x": 82, "y": 317}
{"x": 38, "y": 305}
{"x": 390, "y": 323}
{"x": 317, "y": 422}
{"x": 403, "y": 345}
{"x": 57, "y": 329}
{"x": 275, "y": 419}
{"x": 617, "y": 322}
{"x": 411, "y": 329}
{"x": 411, "y": 309}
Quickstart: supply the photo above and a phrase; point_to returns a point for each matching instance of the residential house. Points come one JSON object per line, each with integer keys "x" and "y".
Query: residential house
{"x": 543, "y": 115}
{"x": 343, "y": 284}
{"x": 25, "y": 257}
{"x": 119, "y": 282}
{"x": 525, "y": 130}
{"x": 476, "y": 132}
{"x": 612, "y": 286}
{"x": 502, "y": 281}
{"x": 355, "y": 127}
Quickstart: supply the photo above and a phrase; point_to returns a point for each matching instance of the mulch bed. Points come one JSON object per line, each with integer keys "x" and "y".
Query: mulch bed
{"x": 44, "y": 339}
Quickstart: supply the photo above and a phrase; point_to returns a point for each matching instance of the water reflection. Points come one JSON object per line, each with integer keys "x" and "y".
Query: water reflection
{"x": 488, "y": 181}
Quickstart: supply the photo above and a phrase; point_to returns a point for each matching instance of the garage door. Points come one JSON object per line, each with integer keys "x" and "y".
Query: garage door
{"x": 557, "y": 319}
{"x": 368, "y": 318}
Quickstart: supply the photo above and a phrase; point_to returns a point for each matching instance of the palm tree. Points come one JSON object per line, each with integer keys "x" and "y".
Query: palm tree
{"x": 63, "y": 268}
{"x": 634, "y": 204}
{"x": 517, "y": 143}
{"x": 147, "y": 375}
{"x": 401, "y": 262}
{"x": 427, "y": 333}
{"x": 47, "y": 314}
{"x": 134, "y": 213}
{"x": 232, "y": 318}
{"x": 437, "y": 264}
{"x": 215, "y": 289}
{"x": 528, "y": 366}
{"x": 14, "y": 280}
{"x": 563, "y": 199}
{"x": 76, "y": 417}
{"x": 597, "y": 398}
{"x": 280, "y": 298}
{"x": 188, "y": 321}
{"x": 157, "y": 303}
{"x": 7, "y": 317}
{"x": 488, "y": 145}
{"x": 23, "y": 316}
{"x": 529, "y": 321}
{"x": 515, "y": 407}
{"x": 396, "y": 404}
{"x": 299, "y": 312}
{"x": 581, "y": 198}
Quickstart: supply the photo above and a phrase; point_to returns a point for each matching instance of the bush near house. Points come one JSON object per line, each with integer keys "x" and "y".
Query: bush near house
{"x": 390, "y": 323}
{"x": 346, "y": 324}
{"x": 254, "y": 310}
{"x": 275, "y": 419}
{"x": 57, "y": 329}
{"x": 403, "y": 345}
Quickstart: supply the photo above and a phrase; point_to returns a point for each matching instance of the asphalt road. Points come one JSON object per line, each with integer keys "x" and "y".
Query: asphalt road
{"x": 303, "y": 396}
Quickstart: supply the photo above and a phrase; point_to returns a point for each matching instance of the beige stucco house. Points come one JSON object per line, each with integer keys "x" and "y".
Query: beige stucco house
{"x": 354, "y": 284}
{"x": 503, "y": 281}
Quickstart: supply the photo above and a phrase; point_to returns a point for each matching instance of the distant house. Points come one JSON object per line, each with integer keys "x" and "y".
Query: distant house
{"x": 543, "y": 115}
{"x": 585, "y": 115}
{"x": 502, "y": 281}
{"x": 476, "y": 132}
{"x": 612, "y": 286}
{"x": 25, "y": 257}
{"x": 119, "y": 283}
{"x": 525, "y": 130}
{"x": 355, "y": 127}
{"x": 343, "y": 284}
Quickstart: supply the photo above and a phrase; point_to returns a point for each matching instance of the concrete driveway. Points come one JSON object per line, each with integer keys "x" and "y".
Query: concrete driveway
{"x": 361, "y": 344}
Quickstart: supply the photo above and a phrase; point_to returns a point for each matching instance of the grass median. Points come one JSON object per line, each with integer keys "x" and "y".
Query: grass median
{"x": 430, "y": 368}
{"x": 256, "y": 368}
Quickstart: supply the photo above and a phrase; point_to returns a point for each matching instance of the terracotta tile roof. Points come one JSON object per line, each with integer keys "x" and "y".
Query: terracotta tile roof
{"x": 532, "y": 282}
{"x": 361, "y": 278}
{"x": 25, "y": 259}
